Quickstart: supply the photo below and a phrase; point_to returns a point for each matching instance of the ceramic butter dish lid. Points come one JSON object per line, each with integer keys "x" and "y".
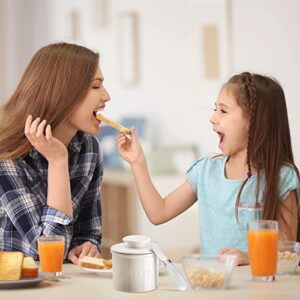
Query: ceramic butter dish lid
{"x": 134, "y": 244}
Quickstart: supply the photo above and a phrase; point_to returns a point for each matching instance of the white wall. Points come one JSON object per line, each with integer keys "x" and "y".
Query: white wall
{"x": 24, "y": 31}
{"x": 266, "y": 40}
{"x": 2, "y": 48}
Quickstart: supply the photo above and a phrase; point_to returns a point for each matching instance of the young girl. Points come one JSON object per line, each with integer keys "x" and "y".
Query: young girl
{"x": 254, "y": 178}
{"x": 50, "y": 165}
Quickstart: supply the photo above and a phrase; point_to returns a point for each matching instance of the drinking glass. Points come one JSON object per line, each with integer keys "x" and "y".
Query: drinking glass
{"x": 262, "y": 249}
{"x": 51, "y": 253}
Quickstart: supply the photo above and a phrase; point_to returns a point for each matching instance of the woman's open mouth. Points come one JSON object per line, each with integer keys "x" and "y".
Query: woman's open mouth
{"x": 98, "y": 110}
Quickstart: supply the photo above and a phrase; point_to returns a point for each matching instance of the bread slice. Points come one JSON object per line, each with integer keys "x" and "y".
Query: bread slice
{"x": 107, "y": 263}
{"x": 91, "y": 262}
{"x": 29, "y": 268}
{"x": 112, "y": 123}
{"x": 10, "y": 265}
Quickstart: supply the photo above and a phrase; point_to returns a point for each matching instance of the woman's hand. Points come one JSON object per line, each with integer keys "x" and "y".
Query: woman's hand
{"x": 40, "y": 137}
{"x": 242, "y": 257}
{"x": 130, "y": 149}
{"x": 85, "y": 249}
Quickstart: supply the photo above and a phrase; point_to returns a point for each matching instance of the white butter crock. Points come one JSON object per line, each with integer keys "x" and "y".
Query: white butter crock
{"x": 135, "y": 266}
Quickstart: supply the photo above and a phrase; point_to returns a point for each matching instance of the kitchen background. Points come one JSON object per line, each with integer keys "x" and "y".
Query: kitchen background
{"x": 164, "y": 62}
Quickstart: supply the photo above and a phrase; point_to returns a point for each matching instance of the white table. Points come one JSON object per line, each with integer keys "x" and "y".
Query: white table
{"x": 85, "y": 285}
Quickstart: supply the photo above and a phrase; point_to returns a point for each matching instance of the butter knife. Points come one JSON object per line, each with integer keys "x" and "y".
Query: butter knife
{"x": 175, "y": 274}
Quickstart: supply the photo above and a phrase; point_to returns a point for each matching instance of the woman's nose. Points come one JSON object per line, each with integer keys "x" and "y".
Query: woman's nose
{"x": 105, "y": 95}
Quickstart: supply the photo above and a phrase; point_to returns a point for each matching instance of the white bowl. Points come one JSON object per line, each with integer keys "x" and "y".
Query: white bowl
{"x": 288, "y": 257}
{"x": 209, "y": 271}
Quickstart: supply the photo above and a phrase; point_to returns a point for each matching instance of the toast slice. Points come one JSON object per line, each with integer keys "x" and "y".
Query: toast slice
{"x": 112, "y": 123}
{"x": 94, "y": 263}
{"x": 107, "y": 263}
{"x": 29, "y": 268}
{"x": 10, "y": 265}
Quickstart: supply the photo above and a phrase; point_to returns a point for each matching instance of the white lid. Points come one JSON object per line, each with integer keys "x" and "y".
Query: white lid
{"x": 133, "y": 244}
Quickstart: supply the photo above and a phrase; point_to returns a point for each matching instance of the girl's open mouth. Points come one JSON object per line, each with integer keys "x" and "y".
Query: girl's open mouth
{"x": 221, "y": 136}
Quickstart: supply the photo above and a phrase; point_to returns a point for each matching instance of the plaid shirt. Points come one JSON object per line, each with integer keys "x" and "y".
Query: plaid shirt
{"x": 24, "y": 213}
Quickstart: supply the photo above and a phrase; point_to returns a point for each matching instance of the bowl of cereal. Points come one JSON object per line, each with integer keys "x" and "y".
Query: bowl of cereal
{"x": 209, "y": 271}
{"x": 288, "y": 257}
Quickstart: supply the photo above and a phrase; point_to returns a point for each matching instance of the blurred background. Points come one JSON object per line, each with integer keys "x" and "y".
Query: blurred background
{"x": 164, "y": 62}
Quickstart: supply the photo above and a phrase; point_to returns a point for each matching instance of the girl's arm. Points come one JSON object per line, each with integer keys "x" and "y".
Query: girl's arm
{"x": 288, "y": 218}
{"x": 59, "y": 191}
{"x": 157, "y": 208}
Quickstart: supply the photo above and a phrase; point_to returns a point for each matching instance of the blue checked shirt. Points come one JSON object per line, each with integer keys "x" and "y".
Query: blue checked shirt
{"x": 24, "y": 213}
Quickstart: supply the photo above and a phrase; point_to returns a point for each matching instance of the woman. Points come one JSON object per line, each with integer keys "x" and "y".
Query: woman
{"x": 50, "y": 164}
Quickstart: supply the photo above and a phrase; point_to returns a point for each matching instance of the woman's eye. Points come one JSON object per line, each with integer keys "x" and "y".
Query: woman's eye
{"x": 96, "y": 87}
{"x": 223, "y": 111}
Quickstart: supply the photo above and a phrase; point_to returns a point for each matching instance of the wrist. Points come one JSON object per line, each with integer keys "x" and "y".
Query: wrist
{"x": 59, "y": 160}
{"x": 244, "y": 260}
{"x": 139, "y": 164}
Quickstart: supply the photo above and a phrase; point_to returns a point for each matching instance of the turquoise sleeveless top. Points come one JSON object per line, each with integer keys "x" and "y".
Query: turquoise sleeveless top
{"x": 217, "y": 195}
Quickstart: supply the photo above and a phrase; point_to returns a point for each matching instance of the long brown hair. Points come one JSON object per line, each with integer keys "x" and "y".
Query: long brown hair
{"x": 269, "y": 142}
{"x": 56, "y": 79}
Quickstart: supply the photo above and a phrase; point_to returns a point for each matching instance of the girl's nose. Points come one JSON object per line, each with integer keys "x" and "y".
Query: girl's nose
{"x": 212, "y": 119}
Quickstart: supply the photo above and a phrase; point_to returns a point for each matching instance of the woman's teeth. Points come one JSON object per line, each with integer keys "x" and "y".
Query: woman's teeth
{"x": 97, "y": 111}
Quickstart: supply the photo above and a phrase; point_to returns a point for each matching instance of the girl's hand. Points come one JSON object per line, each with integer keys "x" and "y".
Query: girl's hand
{"x": 242, "y": 257}
{"x": 85, "y": 249}
{"x": 130, "y": 149}
{"x": 40, "y": 137}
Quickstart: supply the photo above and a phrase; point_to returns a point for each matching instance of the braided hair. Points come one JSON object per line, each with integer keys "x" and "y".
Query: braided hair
{"x": 252, "y": 98}
{"x": 249, "y": 103}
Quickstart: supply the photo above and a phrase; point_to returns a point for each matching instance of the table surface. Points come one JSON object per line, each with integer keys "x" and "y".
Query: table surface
{"x": 81, "y": 284}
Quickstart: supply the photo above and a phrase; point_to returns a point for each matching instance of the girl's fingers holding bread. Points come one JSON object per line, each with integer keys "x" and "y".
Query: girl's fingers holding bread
{"x": 122, "y": 141}
{"x": 120, "y": 137}
{"x": 133, "y": 133}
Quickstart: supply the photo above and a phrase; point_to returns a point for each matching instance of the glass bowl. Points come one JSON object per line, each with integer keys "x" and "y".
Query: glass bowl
{"x": 209, "y": 271}
{"x": 288, "y": 257}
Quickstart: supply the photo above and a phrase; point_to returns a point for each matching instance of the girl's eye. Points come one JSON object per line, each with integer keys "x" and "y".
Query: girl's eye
{"x": 221, "y": 110}
{"x": 96, "y": 87}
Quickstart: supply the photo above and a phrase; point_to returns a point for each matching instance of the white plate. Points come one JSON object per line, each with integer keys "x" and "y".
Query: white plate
{"x": 22, "y": 283}
{"x": 102, "y": 273}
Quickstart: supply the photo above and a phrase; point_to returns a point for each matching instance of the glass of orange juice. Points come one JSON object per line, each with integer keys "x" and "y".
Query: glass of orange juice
{"x": 51, "y": 252}
{"x": 262, "y": 249}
